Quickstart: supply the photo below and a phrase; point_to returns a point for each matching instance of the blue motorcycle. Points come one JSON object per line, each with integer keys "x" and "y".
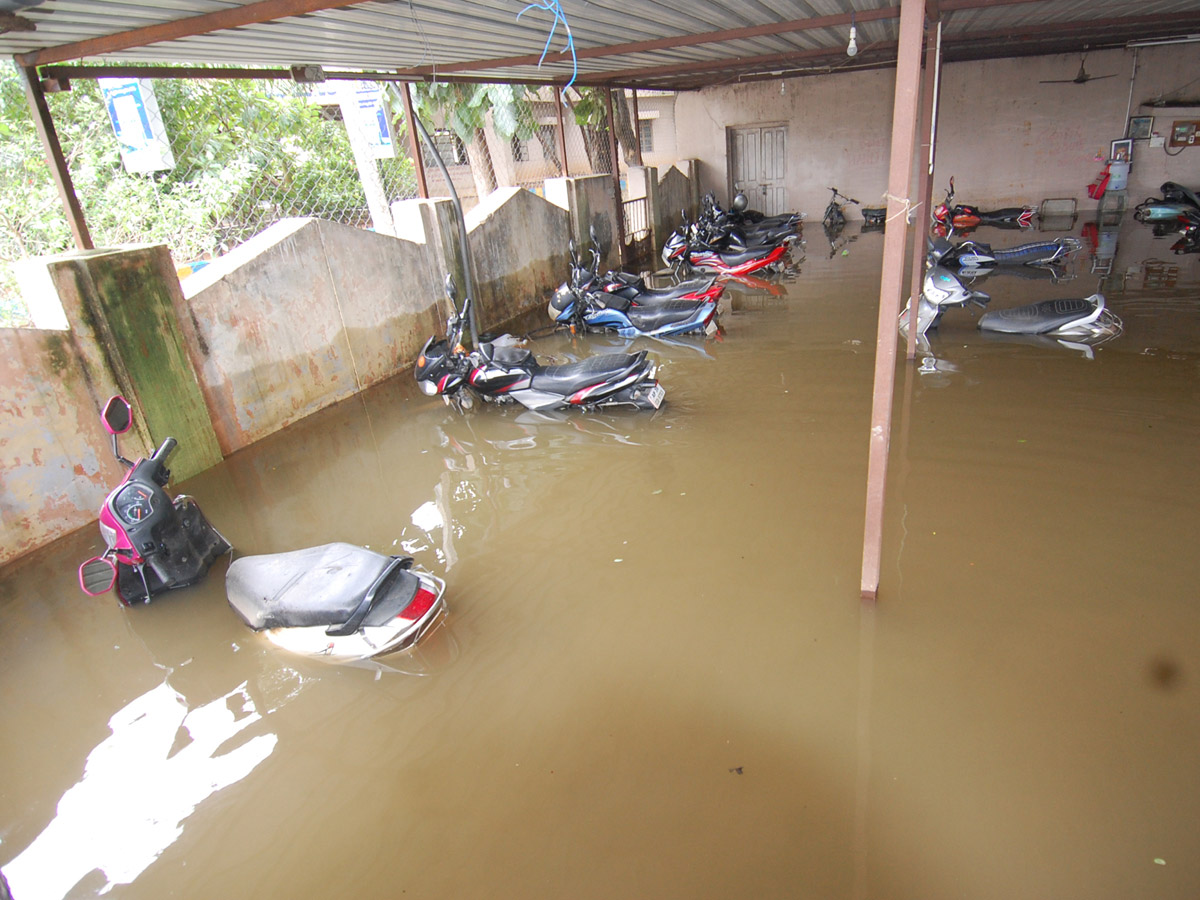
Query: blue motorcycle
{"x": 586, "y": 302}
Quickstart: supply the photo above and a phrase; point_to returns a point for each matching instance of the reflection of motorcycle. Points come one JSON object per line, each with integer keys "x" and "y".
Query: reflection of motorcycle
{"x": 500, "y": 373}
{"x": 977, "y": 255}
{"x": 1176, "y": 201}
{"x": 965, "y": 216}
{"x": 155, "y": 544}
{"x": 1085, "y": 320}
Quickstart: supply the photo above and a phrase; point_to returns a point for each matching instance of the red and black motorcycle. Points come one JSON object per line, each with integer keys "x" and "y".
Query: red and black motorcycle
{"x": 964, "y": 216}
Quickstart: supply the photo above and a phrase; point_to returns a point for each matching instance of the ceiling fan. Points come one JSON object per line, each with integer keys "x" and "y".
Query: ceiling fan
{"x": 1081, "y": 78}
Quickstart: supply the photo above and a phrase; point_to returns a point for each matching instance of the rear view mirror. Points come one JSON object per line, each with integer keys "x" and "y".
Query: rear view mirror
{"x": 451, "y": 288}
{"x": 97, "y": 576}
{"x": 117, "y": 415}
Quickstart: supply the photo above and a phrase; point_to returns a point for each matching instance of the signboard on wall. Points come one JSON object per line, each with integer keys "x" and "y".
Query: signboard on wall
{"x": 137, "y": 123}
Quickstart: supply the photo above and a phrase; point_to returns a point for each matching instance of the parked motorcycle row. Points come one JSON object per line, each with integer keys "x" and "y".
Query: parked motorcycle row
{"x": 1177, "y": 211}
{"x": 346, "y": 603}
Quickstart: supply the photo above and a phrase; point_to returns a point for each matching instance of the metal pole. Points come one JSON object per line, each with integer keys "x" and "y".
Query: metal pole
{"x": 924, "y": 183}
{"x": 414, "y": 141}
{"x": 616, "y": 172}
{"x": 904, "y": 123}
{"x": 468, "y": 274}
{"x": 59, "y": 171}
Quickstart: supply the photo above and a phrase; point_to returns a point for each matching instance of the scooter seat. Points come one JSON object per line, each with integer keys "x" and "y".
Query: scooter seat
{"x": 570, "y": 377}
{"x": 322, "y": 585}
{"x": 1036, "y": 318}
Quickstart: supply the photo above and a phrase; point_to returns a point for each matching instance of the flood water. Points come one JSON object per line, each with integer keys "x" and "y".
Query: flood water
{"x": 657, "y": 678}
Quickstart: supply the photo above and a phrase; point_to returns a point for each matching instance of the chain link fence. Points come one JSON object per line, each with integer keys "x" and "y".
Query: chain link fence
{"x": 202, "y": 165}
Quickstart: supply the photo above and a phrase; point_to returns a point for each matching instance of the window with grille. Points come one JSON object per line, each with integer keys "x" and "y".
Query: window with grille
{"x": 646, "y": 135}
{"x": 450, "y": 147}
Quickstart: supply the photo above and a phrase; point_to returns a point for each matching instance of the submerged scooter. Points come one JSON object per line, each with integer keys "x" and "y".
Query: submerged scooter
{"x": 1081, "y": 320}
{"x": 497, "y": 372}
{"x": 337, "y": 601}
{"x": 155, "y": 544}
{"x": 1176, "y": 201}
{"x": 965, "y": 216}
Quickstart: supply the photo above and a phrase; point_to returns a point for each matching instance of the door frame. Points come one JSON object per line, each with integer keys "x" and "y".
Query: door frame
{"x": 730, "y": 144}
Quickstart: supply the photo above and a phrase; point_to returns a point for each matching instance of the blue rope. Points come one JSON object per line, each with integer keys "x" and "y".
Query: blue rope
{"x": 555, "y": 6}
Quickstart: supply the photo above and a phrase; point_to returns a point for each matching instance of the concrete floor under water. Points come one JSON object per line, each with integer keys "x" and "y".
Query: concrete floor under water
{"x": 657, "y": 678}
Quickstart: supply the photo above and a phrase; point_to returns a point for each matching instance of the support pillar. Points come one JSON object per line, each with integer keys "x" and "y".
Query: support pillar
{"x": 904, "y": 125}
{"x": 925, "y": 147}
{"x": 59, "y": 171}
{"x": 637, "y": 131}
{"x": 616, "y": 173}
{"x": 414, "y": 140}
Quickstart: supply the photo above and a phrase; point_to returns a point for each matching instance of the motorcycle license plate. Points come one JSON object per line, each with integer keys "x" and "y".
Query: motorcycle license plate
{"x": 711, "y": 328}
{"x": 656, "y": 395}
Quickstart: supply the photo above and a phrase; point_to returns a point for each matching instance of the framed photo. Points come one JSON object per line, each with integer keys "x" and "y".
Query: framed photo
{"x": 1140, "y": 128}
{"x": 1121, "y": 150}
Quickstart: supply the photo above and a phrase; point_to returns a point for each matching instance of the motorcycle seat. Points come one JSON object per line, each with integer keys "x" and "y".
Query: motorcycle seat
{"x": 317, "y": 586}
{"x": 648, "y": 318}
{"x": 737, "y": 257}
{"x": 1036, "y": 250}
{"x": 1038, "y": 318}
{"x": 507, "y": 357}
{"x": 570, "y": 377}
{"x": 647, "y": 296}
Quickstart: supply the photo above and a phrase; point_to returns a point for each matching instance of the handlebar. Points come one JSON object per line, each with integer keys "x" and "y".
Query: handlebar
{"x": 165, "y": 449}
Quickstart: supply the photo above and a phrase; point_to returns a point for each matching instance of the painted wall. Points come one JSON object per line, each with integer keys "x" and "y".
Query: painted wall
{"x": 1004, "y": 135}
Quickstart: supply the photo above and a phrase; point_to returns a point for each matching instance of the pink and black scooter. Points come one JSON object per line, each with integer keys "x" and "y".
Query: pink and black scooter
{"x": 335, "y": 601}
{"x": 155, "y": 544}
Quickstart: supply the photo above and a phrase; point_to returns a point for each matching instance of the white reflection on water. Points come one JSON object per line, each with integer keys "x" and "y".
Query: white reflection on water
{"x": 135, "y": 793}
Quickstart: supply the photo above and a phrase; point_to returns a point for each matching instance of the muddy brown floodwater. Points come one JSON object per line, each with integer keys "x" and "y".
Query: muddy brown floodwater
{"x": 657, "y": 679}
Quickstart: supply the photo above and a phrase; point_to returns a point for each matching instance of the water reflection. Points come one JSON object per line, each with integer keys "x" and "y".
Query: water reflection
{"x": 139, "y": 785}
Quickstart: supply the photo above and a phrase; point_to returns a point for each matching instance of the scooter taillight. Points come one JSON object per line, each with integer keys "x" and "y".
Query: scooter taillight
{"x": 420, "y": 605}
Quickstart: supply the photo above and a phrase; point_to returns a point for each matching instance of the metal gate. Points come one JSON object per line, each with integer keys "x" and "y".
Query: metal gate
{"x": 758, "y": 166}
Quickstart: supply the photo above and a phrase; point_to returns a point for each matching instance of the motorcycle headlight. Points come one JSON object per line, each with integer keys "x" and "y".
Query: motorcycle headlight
{"x": 428, "y": 388}
{"x": 561, "y": 301}
{"x": 941, "y": 288}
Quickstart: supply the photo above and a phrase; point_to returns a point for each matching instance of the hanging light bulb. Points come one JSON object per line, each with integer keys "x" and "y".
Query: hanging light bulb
{"x": 852, "y": 47}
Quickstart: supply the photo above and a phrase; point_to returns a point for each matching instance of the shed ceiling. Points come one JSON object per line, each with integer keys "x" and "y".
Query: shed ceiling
{"x": 668, "y": 44}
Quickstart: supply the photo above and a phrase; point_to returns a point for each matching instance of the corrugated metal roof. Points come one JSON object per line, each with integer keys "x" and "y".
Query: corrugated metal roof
{"x": 438, "y": 38}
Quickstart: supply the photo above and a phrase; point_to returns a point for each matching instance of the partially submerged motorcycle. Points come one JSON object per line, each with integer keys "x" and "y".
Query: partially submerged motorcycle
{"x": 620, "y": 302}
{"x": 835, "y": 213}
{"x": 500, "y": 373}
{"x": 690, "y": 247}
{"x": 155, "y": 544}
{"x": 966, "y": 216}
{"x": 1085, "y": 320}
{"x": 972, "y": 254}
{"x": 336, "y": 601}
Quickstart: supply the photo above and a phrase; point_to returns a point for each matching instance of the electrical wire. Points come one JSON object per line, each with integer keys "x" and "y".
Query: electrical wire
{"x": 555, "y": 6}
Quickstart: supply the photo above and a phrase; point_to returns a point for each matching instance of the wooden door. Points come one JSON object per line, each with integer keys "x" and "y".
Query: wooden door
{"x": 758, "y": 166}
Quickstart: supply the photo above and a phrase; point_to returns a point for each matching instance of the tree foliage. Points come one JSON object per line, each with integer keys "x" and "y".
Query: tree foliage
{"x": 247, "y": 154}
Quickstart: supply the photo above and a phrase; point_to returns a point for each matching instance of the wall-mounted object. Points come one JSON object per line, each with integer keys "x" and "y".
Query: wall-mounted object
{"x": 1140, "y": 128}
{"x": 1183, "y": 133}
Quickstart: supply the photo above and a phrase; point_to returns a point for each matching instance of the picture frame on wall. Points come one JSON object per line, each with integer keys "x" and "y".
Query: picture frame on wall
{"x": 1140, "y": 128}
{"x": 1122, "y": 150}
